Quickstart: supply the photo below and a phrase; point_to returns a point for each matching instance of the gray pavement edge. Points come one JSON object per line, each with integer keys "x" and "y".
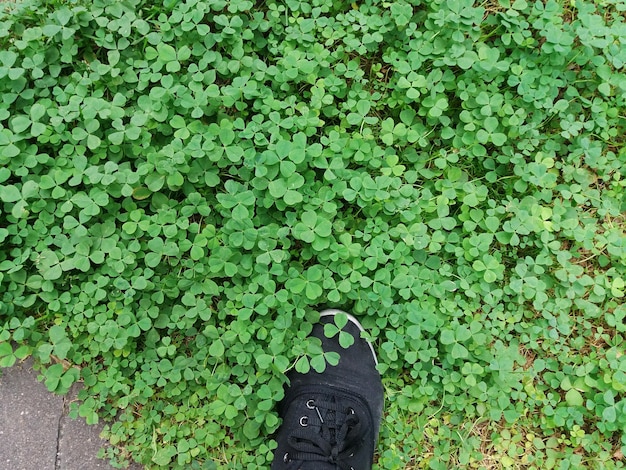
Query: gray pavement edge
{"x": 36, "y": 432}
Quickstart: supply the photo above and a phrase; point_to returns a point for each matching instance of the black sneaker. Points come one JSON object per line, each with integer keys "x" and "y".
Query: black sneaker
{"x": 331, "y": 420}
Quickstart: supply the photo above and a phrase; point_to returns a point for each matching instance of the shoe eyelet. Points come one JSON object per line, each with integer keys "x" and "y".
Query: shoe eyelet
{"x": 351, "y": 410}
{"x": 304, "y": 421}
{"x": 286, "y": 458}
{"x": 310, "y": 404}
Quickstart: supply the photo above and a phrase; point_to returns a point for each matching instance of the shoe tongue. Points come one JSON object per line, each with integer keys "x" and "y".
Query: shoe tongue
{"x": 317, "y": 466}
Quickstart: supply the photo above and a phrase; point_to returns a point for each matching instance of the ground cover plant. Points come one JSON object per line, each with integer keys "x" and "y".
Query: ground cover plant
{"x": 183, "y": 184}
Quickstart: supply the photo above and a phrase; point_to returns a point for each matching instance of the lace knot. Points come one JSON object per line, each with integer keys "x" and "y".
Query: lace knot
{"x": 331, "y": 434}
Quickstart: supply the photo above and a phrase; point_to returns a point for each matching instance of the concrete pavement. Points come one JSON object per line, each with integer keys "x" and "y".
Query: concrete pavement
{"x": 36, "y": 432}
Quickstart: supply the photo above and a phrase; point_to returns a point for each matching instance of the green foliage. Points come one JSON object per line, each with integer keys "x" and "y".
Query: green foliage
{"x": 184, "y": 184}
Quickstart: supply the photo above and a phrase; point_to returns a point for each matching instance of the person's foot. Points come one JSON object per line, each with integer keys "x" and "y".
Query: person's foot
{"x": 331, "y": 420}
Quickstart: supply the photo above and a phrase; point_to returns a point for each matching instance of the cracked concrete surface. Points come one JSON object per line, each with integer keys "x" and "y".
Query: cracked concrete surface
{"x": 29, "y": 421}
{"x": 35, "y": 431}
{"x": 78, "y": 442}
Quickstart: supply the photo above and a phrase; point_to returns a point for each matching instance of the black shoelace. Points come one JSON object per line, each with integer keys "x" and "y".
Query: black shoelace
{"x": 330, "y": 433}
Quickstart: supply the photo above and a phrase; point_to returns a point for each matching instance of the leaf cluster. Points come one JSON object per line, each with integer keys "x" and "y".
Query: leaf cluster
{"x": 184, "y": 184}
